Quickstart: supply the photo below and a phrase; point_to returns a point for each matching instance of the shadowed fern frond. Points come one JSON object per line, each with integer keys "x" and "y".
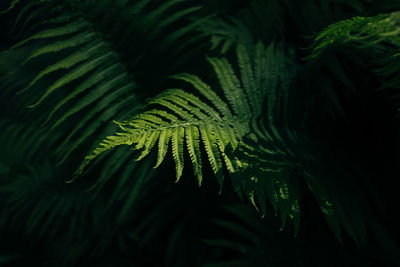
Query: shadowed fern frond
{"x": 274, "y": 163}
{"x": 88, "y": 58}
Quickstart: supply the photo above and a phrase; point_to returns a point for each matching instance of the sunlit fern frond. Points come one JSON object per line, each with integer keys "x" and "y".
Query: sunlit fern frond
{"x": 206, "y": 120}
{"x": 146, "y": 129}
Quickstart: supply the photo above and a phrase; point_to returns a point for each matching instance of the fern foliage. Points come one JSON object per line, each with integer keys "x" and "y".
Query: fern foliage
{"x": 38, "y": 203}
{"x": 83, "y": 58}
{"x": 272, "y": 175}
{"x": 216, "y": 124}
{"x": 305, "y": 135}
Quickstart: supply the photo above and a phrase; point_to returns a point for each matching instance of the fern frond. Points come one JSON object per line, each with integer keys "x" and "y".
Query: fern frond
{"x": 26, "y": 14}
{"x": 268, "y": 178}
{"x": 271, "y": 170}
{"x": 378, "y": 36}
{"x": 74, "y": 41}
{"x": 191, "y": 126}
{"x": 187, "y": 118}
{"x": 355, "y": 29}
{"x": 361, "y": 32}
{"x": 71, "y": 28}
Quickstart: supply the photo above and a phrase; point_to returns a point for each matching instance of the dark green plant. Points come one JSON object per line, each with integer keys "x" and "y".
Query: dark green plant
{"x": 292, "y": 107}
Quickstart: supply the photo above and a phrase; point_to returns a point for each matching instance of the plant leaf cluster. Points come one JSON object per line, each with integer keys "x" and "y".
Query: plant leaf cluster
{"x": 197, "y": 133}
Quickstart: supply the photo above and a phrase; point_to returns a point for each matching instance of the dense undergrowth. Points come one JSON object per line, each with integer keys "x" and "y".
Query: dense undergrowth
{"x": 199, "y": 133}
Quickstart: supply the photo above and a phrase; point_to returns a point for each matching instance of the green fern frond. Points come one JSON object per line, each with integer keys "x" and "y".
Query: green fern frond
{"x": 379, "y": 36}
{"x": 26, "y": 17}
{"x": 193, "y": 124}
{"x": 182, "y": 117}
{"x": 358, "y": 30}
{"x": 361, "y": 32}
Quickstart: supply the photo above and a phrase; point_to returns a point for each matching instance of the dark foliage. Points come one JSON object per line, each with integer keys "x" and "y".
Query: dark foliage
{"x": 285, "y": 115}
